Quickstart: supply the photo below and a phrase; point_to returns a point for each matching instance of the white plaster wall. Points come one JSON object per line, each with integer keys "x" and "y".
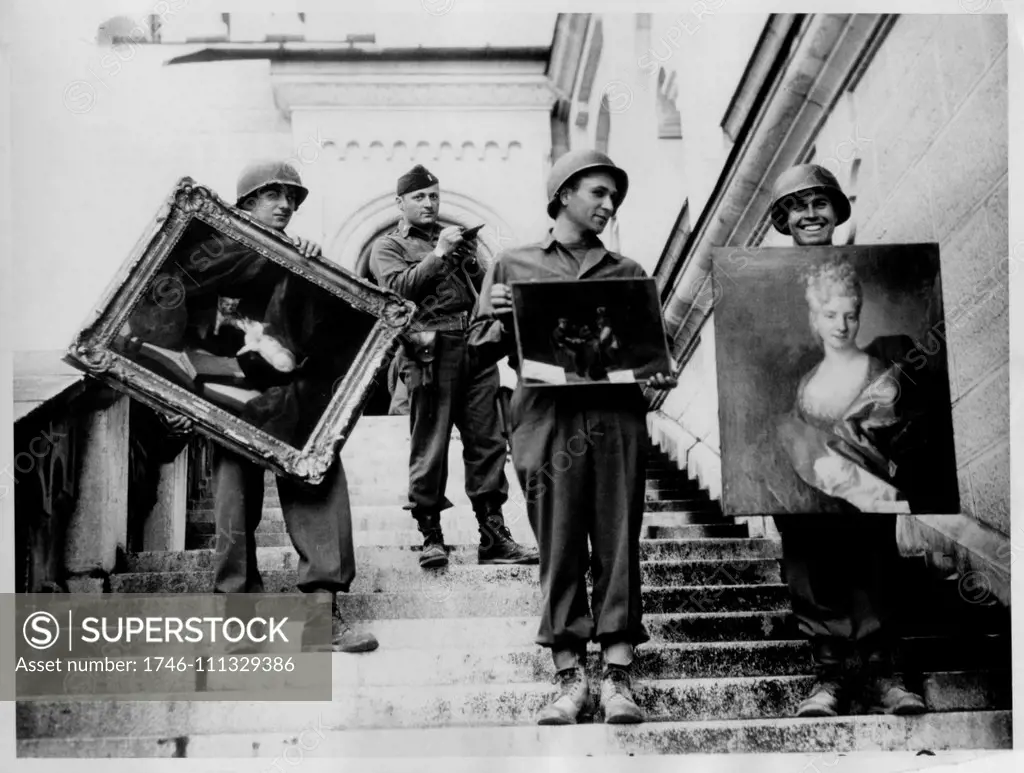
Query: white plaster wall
{"x": 99, "y": 139}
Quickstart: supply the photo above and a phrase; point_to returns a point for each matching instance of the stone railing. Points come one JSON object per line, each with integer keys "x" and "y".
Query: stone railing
{"x": 93, "y": 478}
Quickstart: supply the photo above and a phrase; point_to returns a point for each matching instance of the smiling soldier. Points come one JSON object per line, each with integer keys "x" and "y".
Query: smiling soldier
{"x": 841, "y": 569}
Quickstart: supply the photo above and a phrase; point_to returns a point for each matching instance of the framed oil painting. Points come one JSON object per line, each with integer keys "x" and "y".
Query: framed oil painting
{"x": 832, "y": 380}
{"x": 596, "y": 331}
{"x": 218, "y": 318}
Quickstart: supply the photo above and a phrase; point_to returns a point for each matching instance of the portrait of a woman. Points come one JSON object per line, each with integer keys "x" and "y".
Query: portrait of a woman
{"x": 848, "y": 410}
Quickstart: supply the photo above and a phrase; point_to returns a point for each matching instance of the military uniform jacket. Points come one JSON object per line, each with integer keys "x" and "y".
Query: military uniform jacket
{"x": 403, "y": 262}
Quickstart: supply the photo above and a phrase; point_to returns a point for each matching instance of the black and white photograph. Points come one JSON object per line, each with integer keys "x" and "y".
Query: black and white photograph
{"x": 541, "y": 383}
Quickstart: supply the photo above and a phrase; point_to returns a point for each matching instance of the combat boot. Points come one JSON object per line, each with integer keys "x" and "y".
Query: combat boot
{"x": 343, "y": 638}
{"x": 827, "y": 693}
{"x": 617, "y": 701}
{"x": 497, "y": 545}
{"x": 435, "y": 552}
{"x": 886, "y": 693}
{"x": 573, "y": 697}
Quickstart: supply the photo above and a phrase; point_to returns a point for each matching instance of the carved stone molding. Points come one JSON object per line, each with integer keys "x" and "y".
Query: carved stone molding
{"x": 388, "y": 150}
{"x": 532, "y": 93}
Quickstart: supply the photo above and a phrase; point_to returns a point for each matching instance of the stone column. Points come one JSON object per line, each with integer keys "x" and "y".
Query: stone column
{"x": 165, "y": 526}
{"x": 99, "y": 522}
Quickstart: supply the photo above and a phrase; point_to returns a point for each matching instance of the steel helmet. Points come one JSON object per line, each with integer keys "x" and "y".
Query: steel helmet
{"x": 801, "y": 178}
{"x": 575, "y": 161}
{"x": 260, "y": 174}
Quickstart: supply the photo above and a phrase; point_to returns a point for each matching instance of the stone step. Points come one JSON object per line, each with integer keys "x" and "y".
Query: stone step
{"x": 382, "y": 486}
{"x": 659, "y": 488}
{"x": 663, "y": 467}
{"x": 448, "y": 600}
{"x": 655, "y": 505}
{"x": 389, "y": 517}
{"x": 203, "y": 534}
{"x": 388, "y": 466}
{"x": 493, "y": 664}
{"x": 937, "y": 609}
{"x": 655, "y": 664}
{"x": 408, "y": 575}
{"x": 694, "y": 700}
{"x": 723, "y": 628}
{"x": 409, "y": 542}
{"x": 377, "y": 558}
{"x": 395, "y": 492}
{"x": 659, "y": 661}
{"x": 958, "y": 731}
{"x": 521, "y": 631}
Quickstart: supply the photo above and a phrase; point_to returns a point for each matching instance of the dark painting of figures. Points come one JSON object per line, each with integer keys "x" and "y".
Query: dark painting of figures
{"x": 245, "y": 333}
{"x": 589, "y": 332}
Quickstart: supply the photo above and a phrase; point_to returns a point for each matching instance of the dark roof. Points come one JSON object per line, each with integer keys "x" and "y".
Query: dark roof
{"x": 313, "y": 52}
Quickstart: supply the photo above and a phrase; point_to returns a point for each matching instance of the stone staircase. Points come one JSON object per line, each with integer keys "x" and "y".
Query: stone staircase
{"x": 458, "y": 674}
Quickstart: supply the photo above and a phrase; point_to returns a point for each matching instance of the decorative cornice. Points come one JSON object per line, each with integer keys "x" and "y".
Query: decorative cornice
{"x": 527, "y": 93}
{"x": 303, "y": 52}
{"x": 388, "y": 150}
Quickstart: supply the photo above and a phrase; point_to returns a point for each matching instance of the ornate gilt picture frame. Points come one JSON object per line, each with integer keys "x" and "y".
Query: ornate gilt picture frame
{"x": 220, "y": 319}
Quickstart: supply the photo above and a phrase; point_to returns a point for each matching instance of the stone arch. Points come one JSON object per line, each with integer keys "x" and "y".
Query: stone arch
{"x": 349, "y": 247}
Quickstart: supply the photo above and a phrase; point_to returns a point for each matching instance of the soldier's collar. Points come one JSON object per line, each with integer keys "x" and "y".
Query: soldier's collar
{"x": 405, "y": 228}
{"x": 590, "y": 240}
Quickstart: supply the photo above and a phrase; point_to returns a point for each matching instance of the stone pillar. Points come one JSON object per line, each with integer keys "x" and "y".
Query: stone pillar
{"x": 165, "y": 526}
{"x": 99, "y": 522}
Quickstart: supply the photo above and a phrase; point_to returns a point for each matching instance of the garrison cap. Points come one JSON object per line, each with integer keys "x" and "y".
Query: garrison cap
{"x": 415, "y": 179}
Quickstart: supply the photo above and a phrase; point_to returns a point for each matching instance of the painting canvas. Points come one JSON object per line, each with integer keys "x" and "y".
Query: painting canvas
{"x": 832, "y": 380}
{"x": 218, "y": 318}
{"x": 595, "y": 331}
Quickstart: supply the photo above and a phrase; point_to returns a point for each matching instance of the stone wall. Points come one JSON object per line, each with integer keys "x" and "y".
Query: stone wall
{"x": 932, "y": 114}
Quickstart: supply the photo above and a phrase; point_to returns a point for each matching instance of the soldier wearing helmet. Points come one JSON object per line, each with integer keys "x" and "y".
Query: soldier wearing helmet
{"x": 842, "y": 570}
{"x": 272, "y": 191}
{"x": 603, "y": 428}
{"x": 808, "y": 204}
{"x": 288, "y": 326}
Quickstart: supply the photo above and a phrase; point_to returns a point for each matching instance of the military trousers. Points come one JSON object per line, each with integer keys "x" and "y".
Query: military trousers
{"x": 580, "y": 456}
{"x": 460, "y": 395}
{"x": 843, "y": 573}
{"x": 318, "y": 519}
